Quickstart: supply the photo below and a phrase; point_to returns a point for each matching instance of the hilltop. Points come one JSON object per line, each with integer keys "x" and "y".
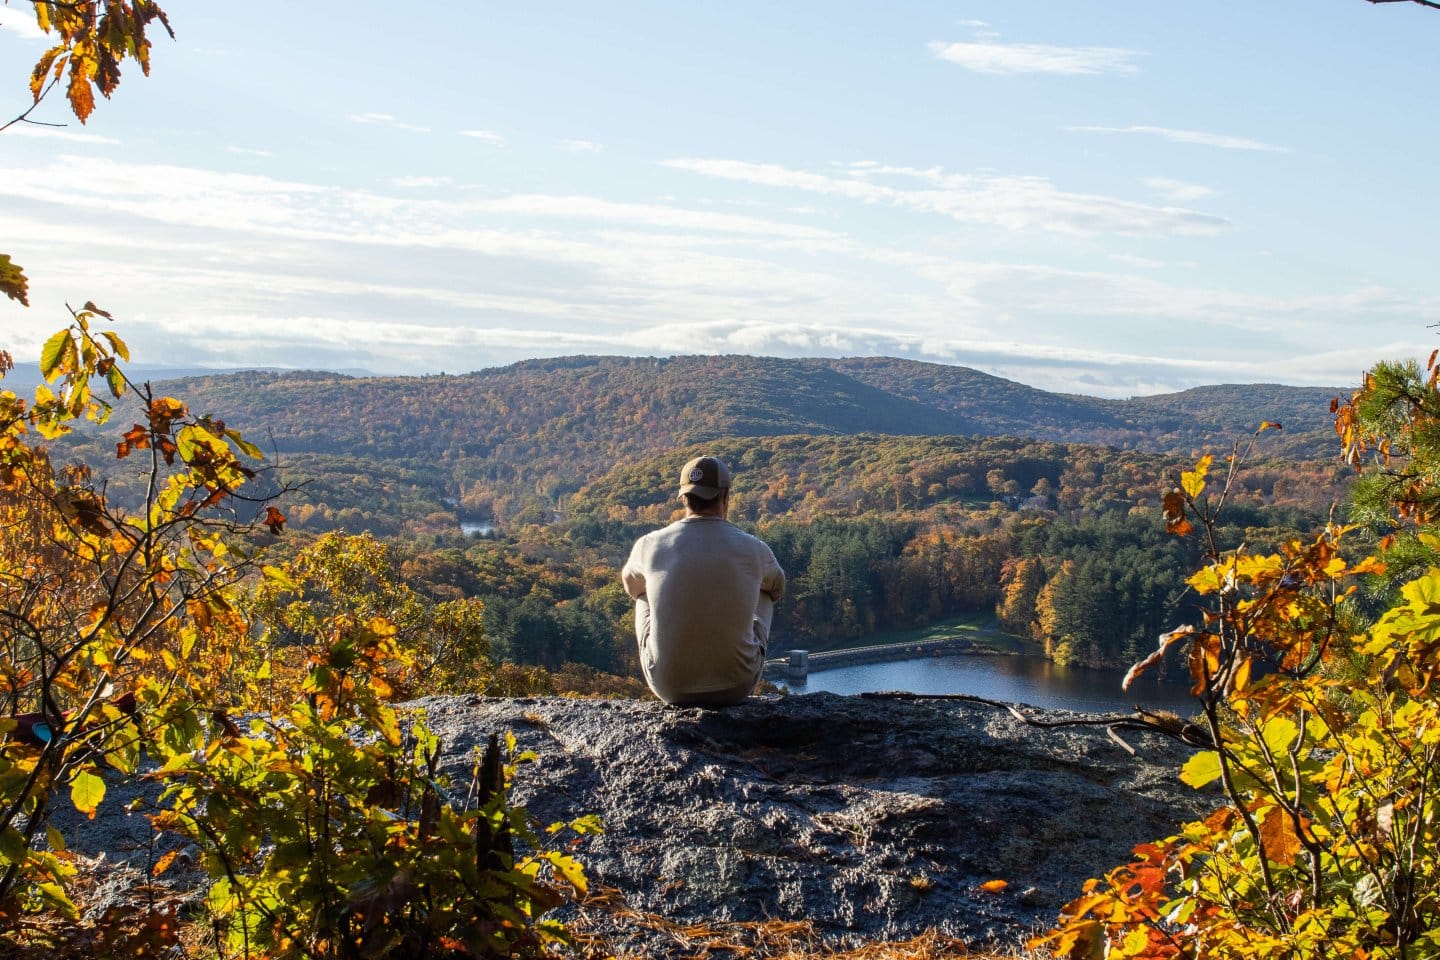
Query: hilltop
{"x": 633, "y": 405}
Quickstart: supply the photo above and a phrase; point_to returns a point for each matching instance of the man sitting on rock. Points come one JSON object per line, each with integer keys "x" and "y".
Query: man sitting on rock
{"x": 704, "y": 594}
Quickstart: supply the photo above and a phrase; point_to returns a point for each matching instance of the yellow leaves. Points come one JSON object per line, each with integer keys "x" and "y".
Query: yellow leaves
{"x": 1209, "y": 579}
{"x": 93, "y": 42}
{"x": 1279, "y": 734}
{"x": 569, "y": 869}
{"x": 86, "y": 792}
{"x": 1201, "y": 769}
{"x": 1193, "y": 481}
{"x": 13, "y": 282}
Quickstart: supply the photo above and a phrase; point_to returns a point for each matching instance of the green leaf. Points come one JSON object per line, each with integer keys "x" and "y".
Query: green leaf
{"x": 246, "y": 447}
{"x": 52, "y": 355}
{"x": 116, "y": 381}
{"x": 86, "y": 792}
{"x": 1201, "y": 769}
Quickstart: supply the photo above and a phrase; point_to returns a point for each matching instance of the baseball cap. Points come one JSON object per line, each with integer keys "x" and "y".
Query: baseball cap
{"x": 706, "y": 477}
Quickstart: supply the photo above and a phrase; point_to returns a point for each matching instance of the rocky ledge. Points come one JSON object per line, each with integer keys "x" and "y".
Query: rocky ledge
{"x": 869, "y": 818}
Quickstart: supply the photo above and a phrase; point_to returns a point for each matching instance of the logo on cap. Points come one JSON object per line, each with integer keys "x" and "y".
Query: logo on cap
{"x": 696, "y": 475}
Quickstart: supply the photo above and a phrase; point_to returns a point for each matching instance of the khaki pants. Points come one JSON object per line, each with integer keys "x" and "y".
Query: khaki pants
{"x": 764, "y": 613}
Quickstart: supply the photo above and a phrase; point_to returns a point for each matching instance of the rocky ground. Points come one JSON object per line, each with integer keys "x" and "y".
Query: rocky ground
{"x": 870, "y": 818}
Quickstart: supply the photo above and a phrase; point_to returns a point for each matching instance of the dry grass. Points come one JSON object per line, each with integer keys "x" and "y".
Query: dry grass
{"x": 607, "y": 921}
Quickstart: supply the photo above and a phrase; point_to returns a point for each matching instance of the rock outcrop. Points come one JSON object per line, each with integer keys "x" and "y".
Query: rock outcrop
{"x": 870, "y": 818}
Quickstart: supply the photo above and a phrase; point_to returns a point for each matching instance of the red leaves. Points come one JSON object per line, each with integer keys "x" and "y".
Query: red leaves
{"x": 1174, "y": 507}
{"x": 274, "y": 520}
{"x": 1125, "y": 914}
{"x": 136, "y": 438}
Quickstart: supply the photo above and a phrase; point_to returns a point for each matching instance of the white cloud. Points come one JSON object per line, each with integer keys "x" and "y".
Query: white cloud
{"x": 1221, "y": 140}
{"x": 385, "y": 120}
{"x": 410, "y": 183}
{"x": 250, "y": 151}
{"x": 971, "y": 23}
{"x": 57, "y": 133}
{"x": 404, "y": 282}
{"x": 1178, "y": 191}
{"x": 1012, "y": 202}
{"x": 644, "y": 214}
{"x": 1013, "y": 58}
{"x": 486, "y": 136}
{"x": 20, "y": 20}
{"x": 579, "y": 146}
{"x": 1143, "y": 263}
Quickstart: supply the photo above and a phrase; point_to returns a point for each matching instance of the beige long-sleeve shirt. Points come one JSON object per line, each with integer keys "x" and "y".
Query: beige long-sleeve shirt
{"x": 704, "y": 594}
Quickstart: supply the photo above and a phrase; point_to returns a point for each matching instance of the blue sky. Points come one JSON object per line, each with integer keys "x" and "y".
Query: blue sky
{"x": 1110, "y": 198}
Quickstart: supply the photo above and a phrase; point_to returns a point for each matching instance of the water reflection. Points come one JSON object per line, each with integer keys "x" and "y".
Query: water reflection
{"x": 1031, "y": 680}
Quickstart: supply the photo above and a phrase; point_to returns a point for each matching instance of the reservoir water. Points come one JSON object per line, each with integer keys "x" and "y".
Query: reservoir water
{"x": 1031, "y": 680}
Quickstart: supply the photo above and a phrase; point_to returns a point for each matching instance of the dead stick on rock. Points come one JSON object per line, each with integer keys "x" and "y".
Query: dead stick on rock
{"x": 1187, "y": 733}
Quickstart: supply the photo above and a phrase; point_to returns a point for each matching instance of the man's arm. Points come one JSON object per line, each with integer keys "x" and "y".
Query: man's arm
{"x": 632, "y": 575}
{"x": 772, "y": 580}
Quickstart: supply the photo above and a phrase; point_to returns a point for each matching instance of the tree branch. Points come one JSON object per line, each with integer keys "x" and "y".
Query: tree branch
{"x": 1432, "y": 4}
{"x": 1187, "y": 733}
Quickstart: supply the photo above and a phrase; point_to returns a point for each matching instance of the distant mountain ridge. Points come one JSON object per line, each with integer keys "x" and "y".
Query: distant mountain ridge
{"x": 625, "y": 405}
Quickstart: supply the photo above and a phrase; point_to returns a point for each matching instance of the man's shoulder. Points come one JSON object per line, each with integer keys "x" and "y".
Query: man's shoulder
{"x": 745, "y": 536}
{"x": 662, "y": 533}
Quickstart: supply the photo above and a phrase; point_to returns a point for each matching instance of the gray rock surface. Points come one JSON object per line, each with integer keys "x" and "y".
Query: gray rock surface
{"x": 870, "y": 818}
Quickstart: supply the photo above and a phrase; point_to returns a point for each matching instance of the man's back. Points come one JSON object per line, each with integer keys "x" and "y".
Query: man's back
{"x": 704, "y": 591}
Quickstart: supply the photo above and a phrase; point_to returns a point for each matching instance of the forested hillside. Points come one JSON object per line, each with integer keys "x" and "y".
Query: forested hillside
{"x": 882, "y": 483}
{"x": 510, "y": 443}
{"x": 629, "y": 404}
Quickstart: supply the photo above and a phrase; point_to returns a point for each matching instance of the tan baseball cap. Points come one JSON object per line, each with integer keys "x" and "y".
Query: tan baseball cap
{"x": 705, "y": 477}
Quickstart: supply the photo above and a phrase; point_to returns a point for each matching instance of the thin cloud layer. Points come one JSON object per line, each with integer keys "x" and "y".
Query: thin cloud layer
{"x": 579, "y": 146}
{"x": 1003, "y": 59}
{"x": 43, "y": 131}
{"x": 385, "y": 120}
{"x": 1221, "y": 140}
{"x": 485, "y": 136}
{"x": 1011, "y": 202}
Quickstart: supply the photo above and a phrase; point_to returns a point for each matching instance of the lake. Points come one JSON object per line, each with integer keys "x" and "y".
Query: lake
{"x": 1032, "y": 680}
